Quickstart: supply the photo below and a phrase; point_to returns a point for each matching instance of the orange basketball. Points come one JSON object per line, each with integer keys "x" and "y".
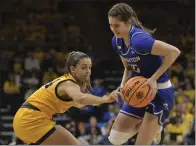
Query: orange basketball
{"x": 135, "y": 94}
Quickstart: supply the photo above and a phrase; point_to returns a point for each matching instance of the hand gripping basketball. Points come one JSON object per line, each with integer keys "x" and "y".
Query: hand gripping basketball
{"x": 136, "y": 93}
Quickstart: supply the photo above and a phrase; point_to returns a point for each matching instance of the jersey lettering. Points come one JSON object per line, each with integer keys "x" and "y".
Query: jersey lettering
{"x": 135, "y": 68}
{"x": 50, "y": 83}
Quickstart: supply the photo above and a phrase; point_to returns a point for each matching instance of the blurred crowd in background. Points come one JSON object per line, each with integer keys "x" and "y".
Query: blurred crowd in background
{"x": 37, "y": 35}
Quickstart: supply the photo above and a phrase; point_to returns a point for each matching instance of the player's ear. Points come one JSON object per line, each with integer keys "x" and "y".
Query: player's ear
{"x": 128, "y": 22}
{"x": 72, "y": 69}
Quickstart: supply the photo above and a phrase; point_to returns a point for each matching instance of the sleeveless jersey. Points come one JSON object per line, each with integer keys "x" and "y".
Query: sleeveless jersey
{"x": 47, "y": 99}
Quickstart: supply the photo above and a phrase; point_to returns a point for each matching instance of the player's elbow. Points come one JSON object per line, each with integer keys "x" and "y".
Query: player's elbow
{"x": 175, "y": 52}
{"x": 79, "y": 98}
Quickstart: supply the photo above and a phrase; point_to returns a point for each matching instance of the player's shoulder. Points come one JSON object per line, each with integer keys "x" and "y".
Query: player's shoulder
{"x": 117, "y": 42}
{"x": 141, "y": 41}
{"x": 135, "y": 32}
{"x": 66, "y": 81}
{"x": 67, "y": 76}
{"x": 139, "y": 35}
{"x": 114, "y": 40}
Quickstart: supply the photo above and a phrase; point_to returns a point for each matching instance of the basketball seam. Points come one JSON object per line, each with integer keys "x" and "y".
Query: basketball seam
{"x": 136, "y": 90}
{"x": 125, "y": 87}
{"x": 143, "y": 98}
{"x": 132, "y": 81}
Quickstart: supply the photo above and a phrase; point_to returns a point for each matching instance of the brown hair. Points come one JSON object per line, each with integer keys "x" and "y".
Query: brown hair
{"x": 124, "y": 13}
{"x": 73, "y": 59}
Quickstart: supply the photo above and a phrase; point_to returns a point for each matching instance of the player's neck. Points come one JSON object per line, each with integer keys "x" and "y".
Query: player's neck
{"x": 127, "y": 40}
{"x": 127, "y": 37}
{"x": 77, "y": 80}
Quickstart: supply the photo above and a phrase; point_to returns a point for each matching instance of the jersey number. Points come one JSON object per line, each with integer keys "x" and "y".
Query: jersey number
{"x": 50, "y": 83}
{"x": 135, "y": 68}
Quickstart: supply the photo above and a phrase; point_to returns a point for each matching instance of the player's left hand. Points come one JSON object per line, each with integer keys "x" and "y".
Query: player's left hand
{"x": 153, "y": 84}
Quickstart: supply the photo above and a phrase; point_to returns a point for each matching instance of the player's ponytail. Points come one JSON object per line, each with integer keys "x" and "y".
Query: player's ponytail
{"x": 70, "y": 61}
{"x": 135, "y": 21}
{"x": 125, "y": 13}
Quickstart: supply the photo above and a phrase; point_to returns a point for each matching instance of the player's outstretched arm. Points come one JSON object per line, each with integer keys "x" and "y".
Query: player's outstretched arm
{"x": 73, "y": 91}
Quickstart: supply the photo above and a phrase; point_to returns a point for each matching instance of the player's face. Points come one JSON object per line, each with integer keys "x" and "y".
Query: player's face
{"x": 83, "y": 69}
{"x": 119, "y": 28}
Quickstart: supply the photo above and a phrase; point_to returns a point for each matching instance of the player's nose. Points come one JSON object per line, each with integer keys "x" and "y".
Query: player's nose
{"x": 88, "y": 72}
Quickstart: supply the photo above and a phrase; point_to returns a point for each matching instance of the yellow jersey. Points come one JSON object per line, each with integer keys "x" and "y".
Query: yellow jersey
{"x": 47, "y": 100}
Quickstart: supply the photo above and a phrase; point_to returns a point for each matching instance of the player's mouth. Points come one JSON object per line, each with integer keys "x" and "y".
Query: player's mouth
{"x": 87, "y": 76}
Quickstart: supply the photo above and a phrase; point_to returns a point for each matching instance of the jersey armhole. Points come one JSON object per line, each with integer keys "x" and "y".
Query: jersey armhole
{"x": 65, "y": 98}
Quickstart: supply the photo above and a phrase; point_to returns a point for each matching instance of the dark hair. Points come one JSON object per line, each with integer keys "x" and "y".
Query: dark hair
{"x": 73, "y": 59}
{"x": 124, "y": 13}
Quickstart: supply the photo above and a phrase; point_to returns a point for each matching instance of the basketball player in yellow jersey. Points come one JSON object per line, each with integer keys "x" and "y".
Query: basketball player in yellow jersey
{"x": 33, "y": 122}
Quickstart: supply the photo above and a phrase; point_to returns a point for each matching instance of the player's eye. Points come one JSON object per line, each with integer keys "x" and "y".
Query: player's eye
{"x": 84, "y": 67}
{"x": 116, "y": 26}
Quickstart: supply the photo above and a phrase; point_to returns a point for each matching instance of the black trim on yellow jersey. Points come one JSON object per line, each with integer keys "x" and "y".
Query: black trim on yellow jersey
{"x": 29, "y": 106}
{"x": 63, "y": 98}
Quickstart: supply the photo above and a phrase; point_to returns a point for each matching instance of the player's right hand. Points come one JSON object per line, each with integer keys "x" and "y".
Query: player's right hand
{"x": 113, "y": 96}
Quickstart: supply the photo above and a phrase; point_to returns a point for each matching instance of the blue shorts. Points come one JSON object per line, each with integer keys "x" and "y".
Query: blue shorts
{"x": 160, "y": 106}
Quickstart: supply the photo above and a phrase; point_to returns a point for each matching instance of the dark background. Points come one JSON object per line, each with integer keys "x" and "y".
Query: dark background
{"x": 37, "y": 35}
